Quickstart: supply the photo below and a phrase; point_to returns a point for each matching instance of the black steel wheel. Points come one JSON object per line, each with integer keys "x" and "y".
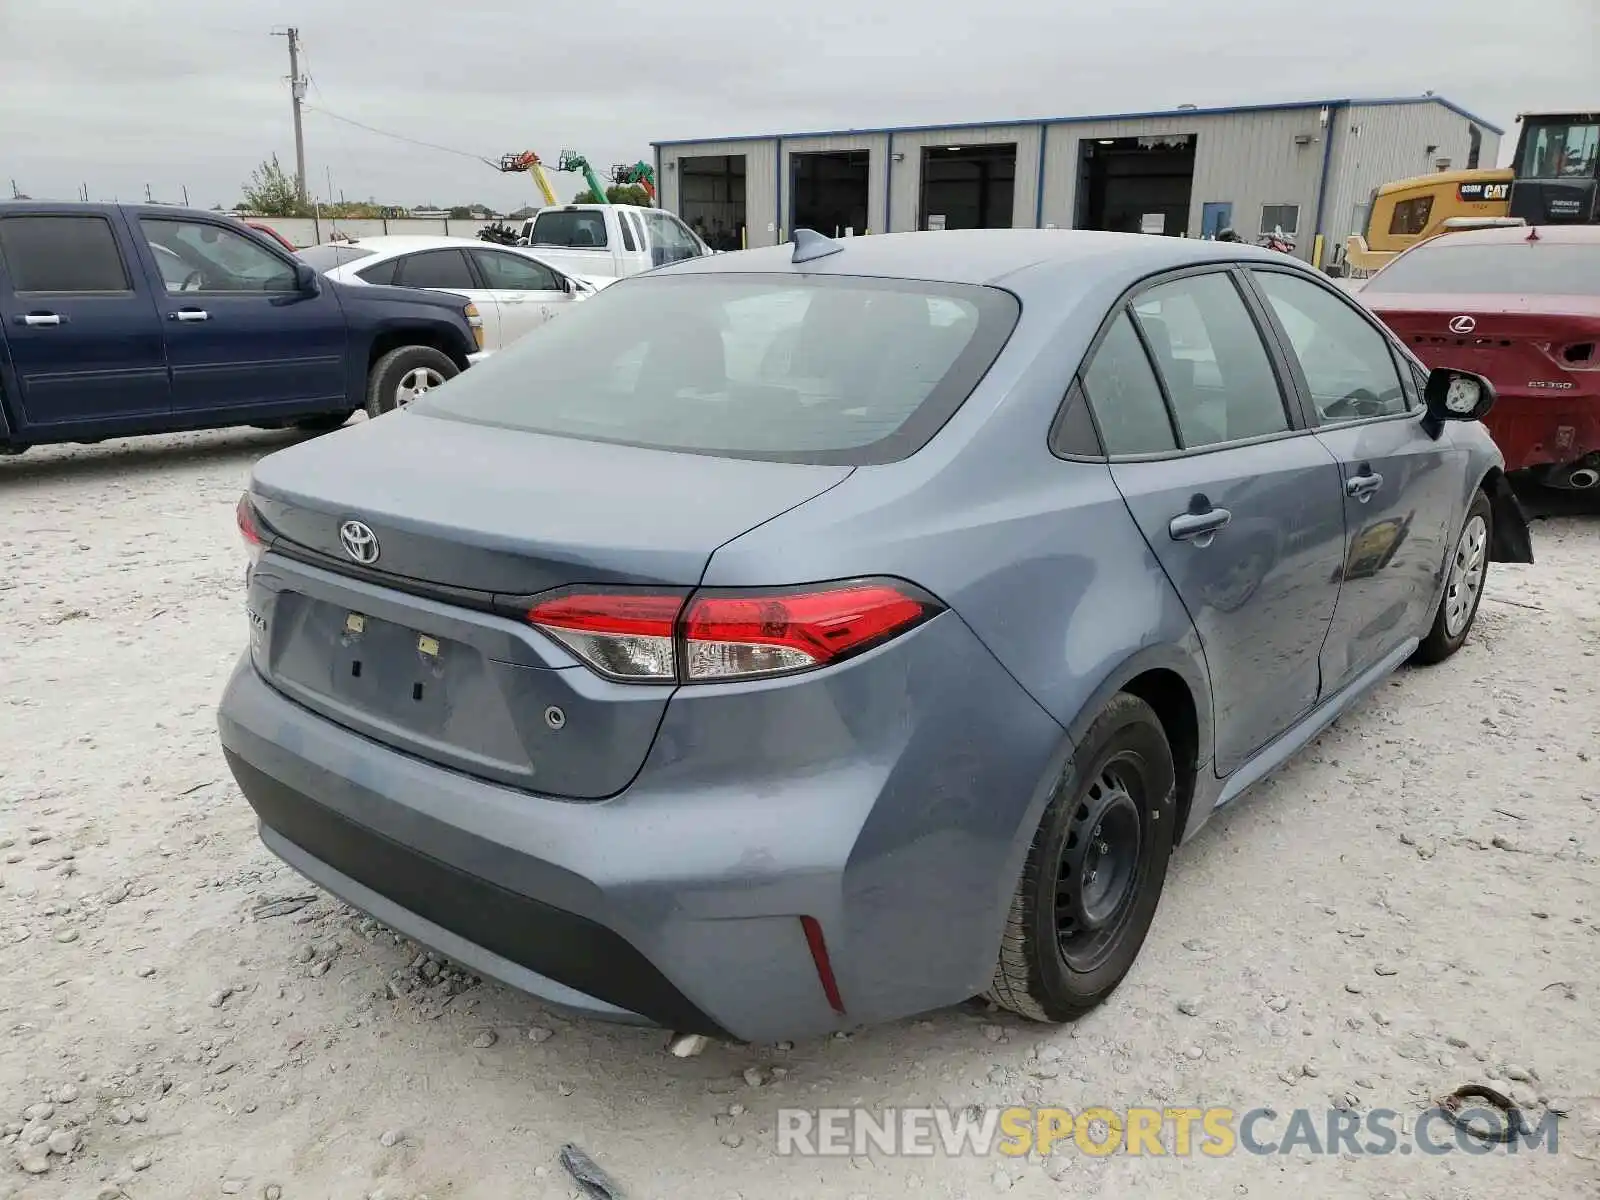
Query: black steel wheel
{"x": 1094, "y": 871}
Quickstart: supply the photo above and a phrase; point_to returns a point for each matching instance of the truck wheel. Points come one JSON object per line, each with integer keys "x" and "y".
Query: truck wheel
{"x": 1463, "y": 587}
{"x": 1094, "y": 873}
{"x": 402, "y": 375}
{"x": 324, "y": 422}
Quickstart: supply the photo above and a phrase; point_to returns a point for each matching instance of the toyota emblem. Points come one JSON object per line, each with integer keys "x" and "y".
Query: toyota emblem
{"x": 359, "y": 542}
{"x": 1462, "y": 324}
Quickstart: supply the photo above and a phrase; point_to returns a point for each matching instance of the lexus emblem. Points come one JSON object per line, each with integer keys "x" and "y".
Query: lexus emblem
{"x": 359, "y": 542}
{"x": 1462, "y": 324}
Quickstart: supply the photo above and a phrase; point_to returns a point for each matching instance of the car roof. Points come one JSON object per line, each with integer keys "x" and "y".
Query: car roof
{"x": 1015, "y": 257}
{"x": 396, "y": 243}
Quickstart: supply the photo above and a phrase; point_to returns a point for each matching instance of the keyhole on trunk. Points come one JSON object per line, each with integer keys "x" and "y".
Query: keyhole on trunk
{"x": 416, "y": 691}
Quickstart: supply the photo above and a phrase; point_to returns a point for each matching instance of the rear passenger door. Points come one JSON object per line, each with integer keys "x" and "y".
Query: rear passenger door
{"x": 1240, "y": 504}
{"x": 1402, "y": 487}
{"x": 85, "y": 337}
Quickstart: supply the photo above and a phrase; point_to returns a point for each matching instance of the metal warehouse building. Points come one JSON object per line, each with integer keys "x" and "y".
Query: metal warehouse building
{"x": 1308, "y": 168}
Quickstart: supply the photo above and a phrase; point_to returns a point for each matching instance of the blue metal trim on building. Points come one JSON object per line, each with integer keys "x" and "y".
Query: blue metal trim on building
{"x": 1030, "y": 122}
{"x": 1038, "y": 184}
{"x": 888, "y": 187}
{"x": 1327, "y": 164}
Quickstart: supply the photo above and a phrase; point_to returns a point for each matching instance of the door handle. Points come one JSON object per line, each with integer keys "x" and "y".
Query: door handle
{"x": 1198, "y": 527}
{"x": 33, "y": 320}
{"x": 1362, "y": 486}
{"x": 190, "y": 314}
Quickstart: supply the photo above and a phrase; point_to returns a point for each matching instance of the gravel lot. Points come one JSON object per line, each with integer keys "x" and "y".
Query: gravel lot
{"x": 1412, "y": 905}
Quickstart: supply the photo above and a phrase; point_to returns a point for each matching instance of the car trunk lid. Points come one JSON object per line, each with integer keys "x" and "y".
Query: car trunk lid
{"x": 423, "y": 649}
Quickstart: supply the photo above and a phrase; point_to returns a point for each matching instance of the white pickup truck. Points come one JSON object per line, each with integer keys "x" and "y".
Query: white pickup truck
{"x": 609, "y": 241}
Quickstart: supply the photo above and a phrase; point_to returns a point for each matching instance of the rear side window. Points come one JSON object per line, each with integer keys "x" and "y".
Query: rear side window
{"x": 777, "y": 367}
{"x": 383, "y": 272}
{"x": 626, "y": 225}
{"x": 579, "y": 229}
{"x": 62, "y": 254}
{"x": 445, "y": 269}
{"x": 1210, "y": 355}
{"x": 1125, "y": 396}
{"x": 1493, "y": 268}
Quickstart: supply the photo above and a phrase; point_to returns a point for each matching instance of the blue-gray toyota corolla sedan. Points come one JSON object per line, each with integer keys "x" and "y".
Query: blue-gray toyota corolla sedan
{"x": 794, "y": 639}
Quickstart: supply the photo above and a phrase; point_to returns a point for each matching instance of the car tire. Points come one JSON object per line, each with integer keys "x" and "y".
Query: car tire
{"x": 403, "y": 374}
{"x": 324, "y": 422}
{"x": 1465, "y": 574}
{"x": 1070, "y": 936}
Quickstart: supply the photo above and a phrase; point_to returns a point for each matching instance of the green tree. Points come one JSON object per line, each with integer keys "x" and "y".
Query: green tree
{"x": 271, "y": 192}
{"x": 626, "y": 193}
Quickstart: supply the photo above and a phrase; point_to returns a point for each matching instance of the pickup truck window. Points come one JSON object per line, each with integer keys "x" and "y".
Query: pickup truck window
{"x": 626, "y": 225}
{"x": 579, "y": 229}
{"x": 445, "y": 269}
{"x": 218, "y": 260}
{"x": 672, "y": 238}
{"x": 62, "y": 255}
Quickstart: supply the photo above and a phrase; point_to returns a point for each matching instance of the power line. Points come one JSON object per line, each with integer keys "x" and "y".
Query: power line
{"x": 399, "y": 137}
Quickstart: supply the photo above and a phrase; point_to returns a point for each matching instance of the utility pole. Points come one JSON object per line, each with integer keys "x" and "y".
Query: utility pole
{"x": 297, "y": 92}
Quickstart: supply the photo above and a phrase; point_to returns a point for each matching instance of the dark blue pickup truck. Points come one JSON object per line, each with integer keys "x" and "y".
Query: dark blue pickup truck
{"x": 131, "y": 319}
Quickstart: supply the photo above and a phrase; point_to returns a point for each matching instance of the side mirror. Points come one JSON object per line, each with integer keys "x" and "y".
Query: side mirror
{"x": 1458, "y": 395}
{"x": 567, "y": 285}
{"x": 305, "y": 279}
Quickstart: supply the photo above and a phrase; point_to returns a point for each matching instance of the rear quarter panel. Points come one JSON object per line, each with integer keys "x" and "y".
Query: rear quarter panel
{"x": 1040, "y": 559}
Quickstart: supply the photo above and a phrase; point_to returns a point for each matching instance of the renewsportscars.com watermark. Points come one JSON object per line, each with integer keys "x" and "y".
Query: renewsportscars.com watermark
{"x": 1156, "y": 1132}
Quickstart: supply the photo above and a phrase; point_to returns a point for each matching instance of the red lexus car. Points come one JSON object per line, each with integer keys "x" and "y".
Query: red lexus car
{"x": 1521, "y": 306}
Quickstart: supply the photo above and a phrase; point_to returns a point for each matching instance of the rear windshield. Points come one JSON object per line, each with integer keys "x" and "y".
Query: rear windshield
{"x": 1500, "y": 268}
{"x": 816, "y": 369}
{"x": 326, "y": 258}
{"x": 583, "y": 228}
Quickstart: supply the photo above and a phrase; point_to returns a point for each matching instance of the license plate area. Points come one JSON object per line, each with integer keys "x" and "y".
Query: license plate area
{"x": 384, "y": 670}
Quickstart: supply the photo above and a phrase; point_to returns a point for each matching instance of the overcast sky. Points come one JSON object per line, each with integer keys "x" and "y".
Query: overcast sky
{"x": 118, "y": 94}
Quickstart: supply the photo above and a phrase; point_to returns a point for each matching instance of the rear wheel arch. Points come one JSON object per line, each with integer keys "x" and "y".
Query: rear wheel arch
{"x": 1508, "y": 539}
{"x": 1165, "y": 691}
{"x": 1177, "y": 687}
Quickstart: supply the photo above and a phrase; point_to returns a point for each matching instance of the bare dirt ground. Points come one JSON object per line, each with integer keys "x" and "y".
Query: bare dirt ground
{"x": 1413, "y": 904}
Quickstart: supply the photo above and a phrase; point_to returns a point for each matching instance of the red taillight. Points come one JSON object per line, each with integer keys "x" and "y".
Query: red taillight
{"x": 736, "y": 637}
{"x": 623, "y": 635}
{"x": 250, "y": 528}
{"x": 650, "y": 637}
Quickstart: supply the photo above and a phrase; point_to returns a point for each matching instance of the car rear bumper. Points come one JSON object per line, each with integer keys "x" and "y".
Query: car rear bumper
{"x": 678, "y": 903}
{"x": 1534, "y": 431}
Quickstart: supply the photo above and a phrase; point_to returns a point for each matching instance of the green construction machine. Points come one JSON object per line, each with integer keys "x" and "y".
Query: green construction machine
{"x": 571, "y": 161}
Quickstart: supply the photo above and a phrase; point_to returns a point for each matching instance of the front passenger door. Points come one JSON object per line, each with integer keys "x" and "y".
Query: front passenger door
{"x": 527, "y": 292}
{"x": 1402, "y": 487}
{"x": 242, "y": 339}
{"x": 1241, "y": 507}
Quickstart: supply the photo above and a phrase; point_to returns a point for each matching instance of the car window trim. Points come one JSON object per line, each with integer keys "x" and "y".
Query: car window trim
{"x": 1287, "y": 387}
{"x": 1308, "y": 402}
{"x": 1076, "y": 393}
{"x": 116, "y": 243}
